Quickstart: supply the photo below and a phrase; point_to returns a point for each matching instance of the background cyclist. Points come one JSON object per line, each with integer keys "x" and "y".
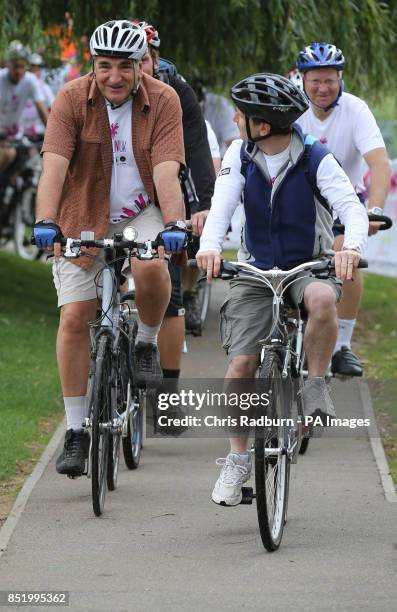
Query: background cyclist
{"x": 32, "y": 125}
{"x": 111, "y": 157}
{"x": 199, "y": 161}
{"x": 348, "y": 128}
{"x": 17, "y": 86}
{"x": 286, "y": 224}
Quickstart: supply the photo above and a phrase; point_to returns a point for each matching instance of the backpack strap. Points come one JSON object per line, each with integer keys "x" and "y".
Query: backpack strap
{"x": 313, "y": 153}
{"x": 246, "y": 148}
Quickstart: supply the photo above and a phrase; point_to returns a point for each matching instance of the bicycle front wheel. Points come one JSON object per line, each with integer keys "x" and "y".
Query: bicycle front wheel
{"x": 23, "y": 223}
{"x": 101, "y": 414}
{"x": 271, "y": 459}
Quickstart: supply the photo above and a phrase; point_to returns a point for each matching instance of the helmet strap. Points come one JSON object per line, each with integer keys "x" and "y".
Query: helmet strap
{"x": 274, "y": 131}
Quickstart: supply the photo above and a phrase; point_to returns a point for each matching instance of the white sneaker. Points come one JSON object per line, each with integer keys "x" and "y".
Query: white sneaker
{"x": 235, "y": 472}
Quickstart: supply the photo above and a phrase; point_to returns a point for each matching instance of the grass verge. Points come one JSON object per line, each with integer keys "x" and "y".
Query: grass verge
{"x": 30, "y": 399}
{"x": 376, "y": 343}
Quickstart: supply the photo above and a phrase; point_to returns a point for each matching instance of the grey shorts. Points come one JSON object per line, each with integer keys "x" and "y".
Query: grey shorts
{"x": 73, "y": 284}
{"x": 246, "y": 313}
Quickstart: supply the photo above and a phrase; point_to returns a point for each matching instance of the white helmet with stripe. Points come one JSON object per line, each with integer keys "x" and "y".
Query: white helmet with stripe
{"x": 119, "y": 39}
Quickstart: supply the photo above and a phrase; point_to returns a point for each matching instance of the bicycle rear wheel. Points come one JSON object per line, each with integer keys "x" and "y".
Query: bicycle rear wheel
{"x": 204, "y": 297}
{"x": 272, "y": 464}
{"x": 101, "y": 414}
{"x": 132, "y": 443}
{"x": 120, "y": 399}
{"x": 307, "y": 432}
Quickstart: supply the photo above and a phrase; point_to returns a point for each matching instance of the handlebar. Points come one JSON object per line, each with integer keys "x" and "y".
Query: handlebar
{"x": 320, "y": 268}
{"x": 143, "y": 250}
{"x": 386, "y": 223}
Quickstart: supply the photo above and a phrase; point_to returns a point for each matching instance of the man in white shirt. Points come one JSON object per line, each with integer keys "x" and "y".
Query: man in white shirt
{"x": 17, "y": 86}
{"x": 345, "y": 124}
{"x": 287, "y": 222}
{"x": 32, "y": 125}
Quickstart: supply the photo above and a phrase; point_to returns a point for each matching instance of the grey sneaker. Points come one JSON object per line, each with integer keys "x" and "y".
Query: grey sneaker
{"x": 316, "y": 398}
{"x": 148, "y": 372}
{"x": 235, "y": 472}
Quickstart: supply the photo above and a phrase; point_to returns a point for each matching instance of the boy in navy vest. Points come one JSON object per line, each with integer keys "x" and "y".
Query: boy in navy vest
{"x": 290, "y": 185}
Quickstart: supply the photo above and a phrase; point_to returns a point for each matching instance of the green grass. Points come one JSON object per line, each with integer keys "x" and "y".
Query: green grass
{"x": 30, "y": 399}
{"x": 376, "y": 341}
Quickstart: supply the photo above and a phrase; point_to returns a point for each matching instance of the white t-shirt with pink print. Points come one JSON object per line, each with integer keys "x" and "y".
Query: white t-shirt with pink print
{"x": 128, "y": 197}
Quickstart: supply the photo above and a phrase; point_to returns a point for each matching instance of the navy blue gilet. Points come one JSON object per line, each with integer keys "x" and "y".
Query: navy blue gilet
{"x": 283, "y": 235}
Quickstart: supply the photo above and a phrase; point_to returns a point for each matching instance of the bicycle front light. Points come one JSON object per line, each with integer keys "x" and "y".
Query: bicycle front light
{"x": 130, "y": 234}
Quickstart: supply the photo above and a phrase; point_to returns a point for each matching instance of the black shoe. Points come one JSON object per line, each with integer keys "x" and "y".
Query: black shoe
{"x": 192, "y": 312}
{"x": 346, "y": 363}
{"x": 148, "y": 372}
{"x": 75, "y": 452}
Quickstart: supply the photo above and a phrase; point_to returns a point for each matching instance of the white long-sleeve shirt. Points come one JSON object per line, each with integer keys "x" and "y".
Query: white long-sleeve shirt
{"x": 332, "y": 182}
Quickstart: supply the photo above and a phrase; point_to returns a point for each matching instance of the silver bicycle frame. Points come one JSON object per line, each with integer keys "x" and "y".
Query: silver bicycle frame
{"x": 274, "y": 279}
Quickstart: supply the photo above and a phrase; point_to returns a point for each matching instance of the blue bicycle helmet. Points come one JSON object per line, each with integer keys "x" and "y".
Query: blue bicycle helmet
{"x": 167, "y": 67}
{"x": 320, "y": 55}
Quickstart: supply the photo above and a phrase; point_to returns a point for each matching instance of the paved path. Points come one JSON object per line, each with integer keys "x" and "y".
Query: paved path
{"x": 162, "y": 545}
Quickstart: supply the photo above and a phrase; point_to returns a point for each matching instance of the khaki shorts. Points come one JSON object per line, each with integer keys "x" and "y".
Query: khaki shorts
{"x": 246, "y": 313}
{"x": 73, "y": 284}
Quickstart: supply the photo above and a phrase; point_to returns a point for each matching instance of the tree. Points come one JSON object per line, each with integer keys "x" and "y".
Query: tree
{"x": 222, "y": 41}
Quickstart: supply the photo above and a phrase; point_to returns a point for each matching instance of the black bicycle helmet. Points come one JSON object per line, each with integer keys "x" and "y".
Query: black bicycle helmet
{"x": 271, "y": 98}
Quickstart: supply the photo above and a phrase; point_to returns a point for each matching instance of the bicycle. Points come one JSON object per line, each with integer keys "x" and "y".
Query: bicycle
{"x": 280, "y": 372}
{"x": 18, "y": 187}
{"x": 115, "y": 402}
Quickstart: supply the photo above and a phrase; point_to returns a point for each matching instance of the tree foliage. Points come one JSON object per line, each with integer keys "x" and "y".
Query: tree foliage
{"x": 222, "y": 41}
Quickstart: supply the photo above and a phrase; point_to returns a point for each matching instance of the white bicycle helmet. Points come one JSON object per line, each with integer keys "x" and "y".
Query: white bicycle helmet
{"x": 119, "y": 39}
{"x": 17, "y": 51}
{"x": 296, "y": 78}
{"x": 36, "y": 60}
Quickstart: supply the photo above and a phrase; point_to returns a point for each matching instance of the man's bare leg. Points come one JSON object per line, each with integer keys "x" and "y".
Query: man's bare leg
{"x": 344, "y": 361}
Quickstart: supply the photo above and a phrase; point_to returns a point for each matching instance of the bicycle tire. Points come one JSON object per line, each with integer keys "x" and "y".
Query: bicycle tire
{"x": 272, "y": 472}
{"x": 23, "y": 223}
{"x": 121, "y": 390}
{"x": 101, "y": 411}
{"x": 304, "y": 445}
{"x": 204, "y": 297}
{"x": 132, "y": 443}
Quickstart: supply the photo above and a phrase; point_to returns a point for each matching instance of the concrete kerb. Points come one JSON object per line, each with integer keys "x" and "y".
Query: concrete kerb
{"x": 376, "y": 444}
{"x": 19, "y": 505}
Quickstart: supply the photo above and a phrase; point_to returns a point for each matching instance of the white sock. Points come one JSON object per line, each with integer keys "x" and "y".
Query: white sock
{"x": 241, "y": 457}
{"x": 147, "y": 334}
{"x": 345, "y": 332}
{"x": 76, "y": 411}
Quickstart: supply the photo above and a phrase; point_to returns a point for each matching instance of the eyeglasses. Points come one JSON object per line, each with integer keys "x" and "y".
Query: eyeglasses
{"x": 327, "y": 82}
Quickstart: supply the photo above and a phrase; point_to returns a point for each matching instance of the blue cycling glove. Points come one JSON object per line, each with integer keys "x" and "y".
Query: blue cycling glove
{"x": 173, "y": 239}
{"x": 45, "y": 233}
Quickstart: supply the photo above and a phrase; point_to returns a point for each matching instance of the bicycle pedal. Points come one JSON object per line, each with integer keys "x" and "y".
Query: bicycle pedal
{"x": 247, "y": 495}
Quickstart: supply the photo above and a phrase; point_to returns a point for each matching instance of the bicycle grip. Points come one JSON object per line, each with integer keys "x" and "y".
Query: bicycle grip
{"x": 386, "y": 223}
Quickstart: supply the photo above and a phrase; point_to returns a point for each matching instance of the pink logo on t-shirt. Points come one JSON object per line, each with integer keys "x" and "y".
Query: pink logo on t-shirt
{"x": 324, "y": 140}
{"x": 128, "y": 212}
{"x": 141, "y": 202}
{"x": 113, "y": 129}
